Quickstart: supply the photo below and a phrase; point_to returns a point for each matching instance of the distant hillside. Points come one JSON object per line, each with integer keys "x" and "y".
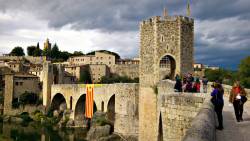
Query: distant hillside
{"x": 117, "y": 56}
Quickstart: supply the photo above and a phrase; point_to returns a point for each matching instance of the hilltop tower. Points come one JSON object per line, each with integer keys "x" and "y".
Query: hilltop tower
{"x": 47, "y": 44}
{"x": 166, "y": 49}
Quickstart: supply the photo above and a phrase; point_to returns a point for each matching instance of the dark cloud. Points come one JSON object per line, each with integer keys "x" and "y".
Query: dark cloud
{"x": 222, "y": 31}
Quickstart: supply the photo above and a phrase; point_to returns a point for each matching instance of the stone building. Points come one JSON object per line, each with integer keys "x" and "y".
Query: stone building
{"x": 16, "y": 84}
{"x": 75, "y": 70}
{"x": 98, "y": 58}
{"x": 25, "y": 82}
{"x": 98, "y": 71}
{"x": 199, "y": 70}
{"x": 18, "y": 66}
{"x": 36, "y": 69}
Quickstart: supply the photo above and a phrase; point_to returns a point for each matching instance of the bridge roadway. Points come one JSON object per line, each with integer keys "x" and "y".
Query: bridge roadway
{"x": 233, "y": 130}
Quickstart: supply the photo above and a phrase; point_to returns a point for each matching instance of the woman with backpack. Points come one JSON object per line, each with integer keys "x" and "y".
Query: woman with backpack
{"x": 218, "y": 102}
{"x": 238, "y": 98}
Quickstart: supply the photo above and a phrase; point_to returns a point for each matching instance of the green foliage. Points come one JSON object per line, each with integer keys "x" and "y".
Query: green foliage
{"x": 15, "y": 103}
{"x": 77, "y": 53}
{"x": 38, "y": 51}
{"x": 25, "y": 116}
{"x": 244, "y": 72}
{"x": 101, "y": 121}
{"x": 64, "y": 55}
{"x": 17, "y": 51}
{"x": 85, "y": 76}
{"x": 49, "y": 112}
{"x": 28, "y": 98}
{"x": 117, "y": 56}
{"x": 31, "y": 50}
{"x": 118, "y": 79}
{"x": 222, "y": 75}
{"x": 55, "y": 53}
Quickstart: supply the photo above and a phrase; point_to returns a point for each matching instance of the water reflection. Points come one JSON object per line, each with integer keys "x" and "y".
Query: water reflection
{"x": 35, "y": 132}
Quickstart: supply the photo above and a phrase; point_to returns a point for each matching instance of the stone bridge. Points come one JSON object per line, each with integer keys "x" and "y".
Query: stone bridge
{"x": 120, "y": 101}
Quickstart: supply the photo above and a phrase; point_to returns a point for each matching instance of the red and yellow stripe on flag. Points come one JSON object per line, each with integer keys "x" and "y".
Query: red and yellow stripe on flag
{"x": 89, "y": 107}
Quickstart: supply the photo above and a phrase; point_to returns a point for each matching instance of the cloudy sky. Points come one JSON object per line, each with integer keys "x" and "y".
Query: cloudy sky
{"x": 222, "y": 27}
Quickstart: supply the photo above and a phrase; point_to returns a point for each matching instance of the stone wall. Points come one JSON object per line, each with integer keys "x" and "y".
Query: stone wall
{"x": 177, "y": 112}
{"x": 28, "y": 109}
{"x": 203, "y": 125}
{"x": 130, "y": 70}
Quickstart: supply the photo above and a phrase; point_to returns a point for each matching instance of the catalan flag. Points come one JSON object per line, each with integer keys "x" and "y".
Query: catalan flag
{"x": 89, "y": 104}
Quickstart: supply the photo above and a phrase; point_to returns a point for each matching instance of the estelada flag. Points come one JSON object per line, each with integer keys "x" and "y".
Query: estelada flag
{"x": 89, "y": 105}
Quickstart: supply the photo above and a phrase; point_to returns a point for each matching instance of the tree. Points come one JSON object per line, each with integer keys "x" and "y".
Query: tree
{"x": 222, "y": 75}
{"x": 31, "y": 50}
{"x": 46, "y": 52}
{"x": 64, "y": 55}
{"x": 244, "y": 72}
{"x": 38, "y": 51}
{"x": 85, "y": 76}
{"x": 55, "y": 52}
{"x": 77, "y": 53}
{"x": 17, "y": 51}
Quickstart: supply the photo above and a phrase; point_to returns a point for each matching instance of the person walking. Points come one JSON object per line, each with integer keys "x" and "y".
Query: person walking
{"x": 238, "y": 98}
{"x": 218, "y": 102}
{"x": 178, "y": 83}
{"x": 204, "y": 84}
{"x": 197, "y": 85}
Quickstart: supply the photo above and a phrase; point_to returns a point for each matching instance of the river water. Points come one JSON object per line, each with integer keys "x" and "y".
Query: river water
{"x": 35, "y": 132}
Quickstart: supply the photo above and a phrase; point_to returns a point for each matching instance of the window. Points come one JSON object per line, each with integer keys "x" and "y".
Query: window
{"x": 16, "y": 83}
{"x": 109, "y": 62}
{"x": 101, "y": 58}
{"x": 21, "y": 83}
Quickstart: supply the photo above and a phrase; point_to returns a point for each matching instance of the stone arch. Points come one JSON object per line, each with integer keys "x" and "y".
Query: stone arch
{"x": 160, "y": 129}
{"x": 111, "y": 109}
{"x": 167, "y": 67}
{"x": 58, "y": 102}
{"x": 102, "y": 106}
{"x": 80, "y": 107}
{"x": 71, "y": 102}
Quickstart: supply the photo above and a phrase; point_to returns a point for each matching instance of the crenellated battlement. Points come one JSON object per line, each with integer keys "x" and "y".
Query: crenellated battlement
{"x": 160, "y": 19}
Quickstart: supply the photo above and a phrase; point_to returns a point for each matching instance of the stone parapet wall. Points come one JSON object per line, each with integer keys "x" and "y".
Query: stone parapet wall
{"x": 177, "y": 112}
{"x": 130, "y": 70}
{"x": 203, "y": 125}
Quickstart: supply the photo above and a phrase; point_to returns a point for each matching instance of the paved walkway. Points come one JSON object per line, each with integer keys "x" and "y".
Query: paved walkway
{"x": 233, "y": 130}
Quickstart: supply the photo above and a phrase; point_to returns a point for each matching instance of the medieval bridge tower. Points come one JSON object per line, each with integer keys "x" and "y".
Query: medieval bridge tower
{"x": 166, "y": 49}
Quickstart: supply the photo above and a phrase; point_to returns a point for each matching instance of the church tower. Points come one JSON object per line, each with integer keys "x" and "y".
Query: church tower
{"x": 47, "y": 45}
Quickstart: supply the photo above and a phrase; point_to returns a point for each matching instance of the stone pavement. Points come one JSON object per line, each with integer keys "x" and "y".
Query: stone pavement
{"x": 233, "y": 130}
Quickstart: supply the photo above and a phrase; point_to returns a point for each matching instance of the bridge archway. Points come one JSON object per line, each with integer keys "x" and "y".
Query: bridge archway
{"x": 59, "y": 102}
{"x": 80, "y": 107}
{"x": 160, "y": 130}
{"x": 111, "y": 109}
{"x": 167, "y": 67}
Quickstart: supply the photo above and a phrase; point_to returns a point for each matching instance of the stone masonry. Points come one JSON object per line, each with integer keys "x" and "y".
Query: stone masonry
{"x": 158, "y": 38}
